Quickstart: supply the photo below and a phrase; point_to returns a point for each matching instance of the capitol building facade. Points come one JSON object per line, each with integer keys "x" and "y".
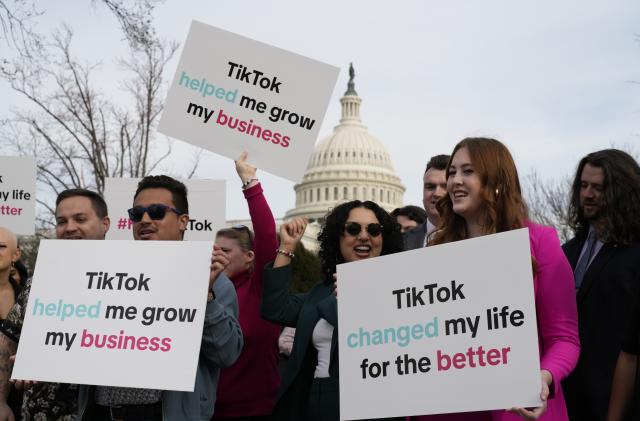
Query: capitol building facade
{"x": 348, "y": 164}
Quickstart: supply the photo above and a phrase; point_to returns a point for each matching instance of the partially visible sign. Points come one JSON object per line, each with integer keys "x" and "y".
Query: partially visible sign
{"x": 207, "y": 207}
{"x": 17, "y": 194}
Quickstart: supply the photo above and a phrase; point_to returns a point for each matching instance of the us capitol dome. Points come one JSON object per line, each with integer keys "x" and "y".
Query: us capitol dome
{"x": 348, "y": 164}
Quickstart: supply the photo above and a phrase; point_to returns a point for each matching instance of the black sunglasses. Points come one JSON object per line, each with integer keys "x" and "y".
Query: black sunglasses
{"x": 354, "y": 228}
{"x": 155, "y": 212}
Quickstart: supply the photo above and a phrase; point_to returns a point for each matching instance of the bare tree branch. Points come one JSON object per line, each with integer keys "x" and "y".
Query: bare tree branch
{"x": 134, "y": 20}
{"x": 77, "y": 133}
{"x": 16, "y": 23}
{"x": 196, "y": 163}
{"x": 548, "y": 202}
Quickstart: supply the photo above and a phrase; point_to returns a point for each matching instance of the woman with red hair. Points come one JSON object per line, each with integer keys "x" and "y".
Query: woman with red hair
{"x": 484, "y": 197}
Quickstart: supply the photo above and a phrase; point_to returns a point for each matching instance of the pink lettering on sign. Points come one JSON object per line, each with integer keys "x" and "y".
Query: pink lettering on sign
{"x": 10, "y": 210}
{"x": 122, "y": 341}
{"x": 474, "y": 357}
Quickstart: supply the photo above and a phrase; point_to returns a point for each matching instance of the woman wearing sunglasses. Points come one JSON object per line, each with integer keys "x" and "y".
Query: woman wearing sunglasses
{"x": 247, "y": 390}
{"x": 484, "y": 197}
{"x": 353, "y": 231}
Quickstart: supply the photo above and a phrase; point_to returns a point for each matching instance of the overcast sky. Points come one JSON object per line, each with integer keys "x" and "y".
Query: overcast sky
{"x": 552, "y": 80}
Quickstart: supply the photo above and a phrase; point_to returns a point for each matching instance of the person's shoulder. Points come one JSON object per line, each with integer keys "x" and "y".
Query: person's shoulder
{"x": 223, "y": 285}
{"x": 23, "y": 294}
{"x": 540, "y": 231}
{"x": 320, "y": 288}
{"x": 544, "y": 240}
{"x": 628, "y": 252}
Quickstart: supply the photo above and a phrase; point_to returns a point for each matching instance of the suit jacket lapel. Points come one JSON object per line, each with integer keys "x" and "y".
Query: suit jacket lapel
{"x": 594, "y": 269}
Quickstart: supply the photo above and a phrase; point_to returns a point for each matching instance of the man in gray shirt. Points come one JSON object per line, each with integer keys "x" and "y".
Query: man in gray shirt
{"x": 160, "y": 212}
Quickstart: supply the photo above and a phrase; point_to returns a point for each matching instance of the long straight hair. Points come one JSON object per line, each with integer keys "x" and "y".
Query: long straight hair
{"x": 503, "y": 207}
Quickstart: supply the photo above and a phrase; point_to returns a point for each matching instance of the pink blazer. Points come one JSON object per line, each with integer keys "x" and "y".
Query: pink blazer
{"x": 555, "y": 298}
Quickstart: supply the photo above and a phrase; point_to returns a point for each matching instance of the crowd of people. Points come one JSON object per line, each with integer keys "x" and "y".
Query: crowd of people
{"x": 586, "y": 293}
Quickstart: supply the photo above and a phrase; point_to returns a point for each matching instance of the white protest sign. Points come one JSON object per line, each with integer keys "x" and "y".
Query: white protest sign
{"x": 450, "y": 328}
{"x": 232, "y": 93}
{"x": 17, "y": 194}
{"x": 116, "y": 313}
{"x": 207, "y": 207}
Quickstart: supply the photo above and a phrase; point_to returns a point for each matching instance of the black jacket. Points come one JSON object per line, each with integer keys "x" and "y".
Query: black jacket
{"x": 414, "y": 239}
{"x": 301, "y": 311}
{"x": 605, "y": 304}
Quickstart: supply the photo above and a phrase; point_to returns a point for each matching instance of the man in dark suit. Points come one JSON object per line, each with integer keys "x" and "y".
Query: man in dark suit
{"x": 435, "y": 187}
{"x": 605, "y": 255}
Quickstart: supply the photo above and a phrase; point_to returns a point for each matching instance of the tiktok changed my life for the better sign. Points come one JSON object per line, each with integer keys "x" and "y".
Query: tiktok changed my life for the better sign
{"x": 450, "y": 328}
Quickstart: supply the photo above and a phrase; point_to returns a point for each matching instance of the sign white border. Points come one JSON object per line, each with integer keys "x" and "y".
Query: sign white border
{"x": 178, "y": 273}
{"x": 495, "y": 271}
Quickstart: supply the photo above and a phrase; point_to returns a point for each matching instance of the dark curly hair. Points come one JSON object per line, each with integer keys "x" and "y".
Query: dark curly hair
{"x": 333, "y": 229}
{"x": 620, "y": 199}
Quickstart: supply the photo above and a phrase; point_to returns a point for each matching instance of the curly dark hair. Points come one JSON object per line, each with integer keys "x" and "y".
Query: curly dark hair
{"x": 333, "y": 229}
{"x": 620, "y": 208}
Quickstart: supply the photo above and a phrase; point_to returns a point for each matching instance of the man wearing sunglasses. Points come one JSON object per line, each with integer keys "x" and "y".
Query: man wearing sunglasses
{"x": 161, "y": 212}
